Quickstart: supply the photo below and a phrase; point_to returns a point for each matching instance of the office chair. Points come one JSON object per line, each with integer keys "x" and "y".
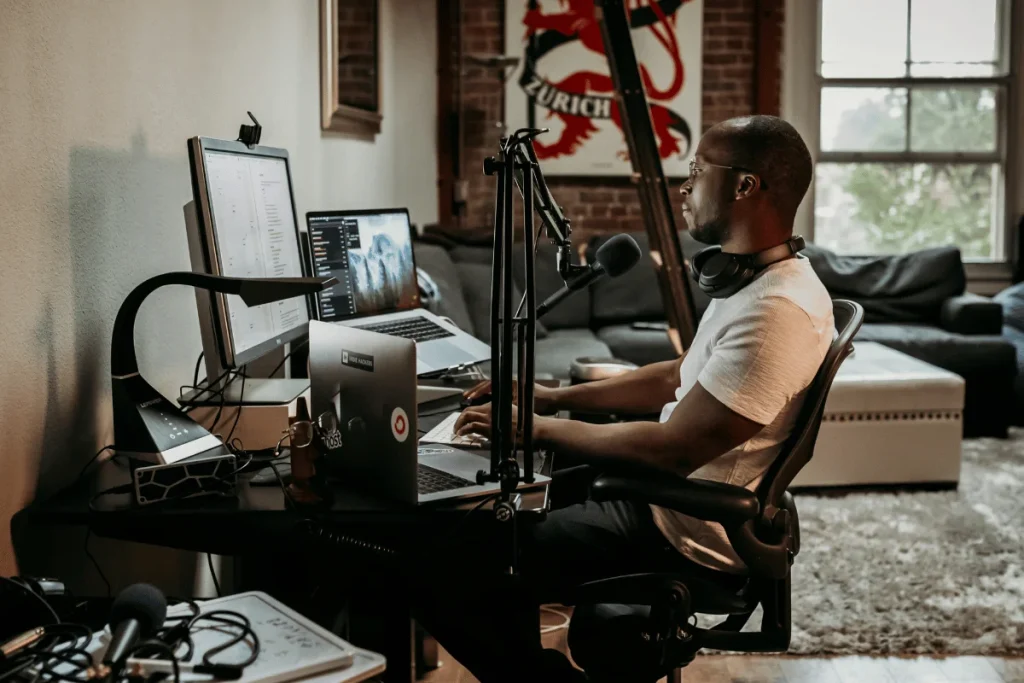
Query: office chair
{"x": 639, "y": 628}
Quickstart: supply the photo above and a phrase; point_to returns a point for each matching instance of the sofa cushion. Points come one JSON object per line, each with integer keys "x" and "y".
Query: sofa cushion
{"x": 636, "y": 294}
{"x": 988, "y": 363}
{"x": 893, "y": 289}
{"x": 464, "y": 253}
{"x": 442, "y": 270}
{"x": 1012, "y": 301}
{"x": 561, "y": 347}
{"x": 476, "y": 287}
{"x": 574, "y": 311}
{"x": 640, "y": 346}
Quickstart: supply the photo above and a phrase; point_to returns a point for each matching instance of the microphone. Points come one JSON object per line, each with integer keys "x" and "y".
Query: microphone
{"x": 613, "y": 258}
{"x": 138, "y": 611}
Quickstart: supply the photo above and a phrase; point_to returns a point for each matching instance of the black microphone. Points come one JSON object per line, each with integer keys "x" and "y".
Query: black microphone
{"x": 138, "y": 611}
{"x": 613, "y": 258}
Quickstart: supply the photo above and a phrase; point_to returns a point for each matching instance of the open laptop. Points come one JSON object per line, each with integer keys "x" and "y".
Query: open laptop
{"x": 369, "y": 380}
{"x": 371, "y": 255}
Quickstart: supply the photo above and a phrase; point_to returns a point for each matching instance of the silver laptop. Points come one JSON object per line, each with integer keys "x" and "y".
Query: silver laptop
{"x": 371, "y": 255}
{"x": 369, "y": 381}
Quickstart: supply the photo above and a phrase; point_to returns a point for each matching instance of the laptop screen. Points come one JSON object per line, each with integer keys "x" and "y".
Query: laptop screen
{"x": 370, "y": 253}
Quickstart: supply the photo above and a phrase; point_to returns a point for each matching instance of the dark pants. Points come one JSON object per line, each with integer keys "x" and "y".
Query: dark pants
{"x": 490, "y": 623}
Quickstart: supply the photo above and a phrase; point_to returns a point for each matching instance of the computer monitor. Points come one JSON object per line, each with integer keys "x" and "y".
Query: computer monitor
{"x": 245, "y": 225}
{"x": 370, "y": 253}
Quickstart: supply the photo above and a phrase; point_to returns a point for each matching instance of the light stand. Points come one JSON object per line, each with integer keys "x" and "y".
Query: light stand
{"x": 148, "y": 426}
{"x": 516, "y": 165}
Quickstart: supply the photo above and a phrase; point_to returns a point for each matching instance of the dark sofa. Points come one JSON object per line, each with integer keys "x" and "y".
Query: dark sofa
{"x": 915, "y": 303}
{"x": 1012, "y": 302}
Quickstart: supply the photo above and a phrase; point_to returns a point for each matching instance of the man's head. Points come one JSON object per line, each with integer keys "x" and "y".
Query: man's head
{"x": 748, "y": 174}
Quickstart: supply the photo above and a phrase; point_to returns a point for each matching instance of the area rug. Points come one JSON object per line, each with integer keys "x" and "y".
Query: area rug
{"x": 917, "y": 572}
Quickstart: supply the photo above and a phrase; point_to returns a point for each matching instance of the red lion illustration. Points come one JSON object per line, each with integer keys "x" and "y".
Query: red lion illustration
{"x": 578, "y": 20}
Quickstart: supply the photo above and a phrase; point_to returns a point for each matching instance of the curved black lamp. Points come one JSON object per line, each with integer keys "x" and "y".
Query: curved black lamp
{"x": 147, "y": 425}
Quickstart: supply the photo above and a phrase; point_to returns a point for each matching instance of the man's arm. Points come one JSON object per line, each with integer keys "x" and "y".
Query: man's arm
{"x": 700, "y": 429}
{"x": 643, "y": 391}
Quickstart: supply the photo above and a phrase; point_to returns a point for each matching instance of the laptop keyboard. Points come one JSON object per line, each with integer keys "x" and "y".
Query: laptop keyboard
{"x": 430, "y": 480}
{"x": 418, "y": 329}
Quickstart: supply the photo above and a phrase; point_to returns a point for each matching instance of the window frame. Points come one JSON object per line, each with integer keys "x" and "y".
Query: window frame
{"x": 802, "y": 85}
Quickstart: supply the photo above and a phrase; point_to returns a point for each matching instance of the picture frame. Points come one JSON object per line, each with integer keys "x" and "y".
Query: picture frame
{"x": 350, "y": 92}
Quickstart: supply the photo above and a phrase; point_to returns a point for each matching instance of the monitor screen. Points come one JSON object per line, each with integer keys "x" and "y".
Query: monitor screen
{"x": 370, "y": 253}
{"x": 254, "y": 231}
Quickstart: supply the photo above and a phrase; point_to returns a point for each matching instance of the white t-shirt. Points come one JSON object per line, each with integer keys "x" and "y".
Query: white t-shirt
{"x": 756, "y": 351}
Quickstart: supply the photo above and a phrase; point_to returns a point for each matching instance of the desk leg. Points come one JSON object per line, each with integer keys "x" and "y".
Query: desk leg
{"x": 399, "y": 647}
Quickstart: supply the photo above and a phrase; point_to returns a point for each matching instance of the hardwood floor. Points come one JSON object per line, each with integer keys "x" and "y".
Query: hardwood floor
{"x": 782, "y": 669}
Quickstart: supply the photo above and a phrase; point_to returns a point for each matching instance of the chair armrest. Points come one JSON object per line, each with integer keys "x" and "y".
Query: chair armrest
{"x": 971, "y": 314}
{"x": 710, "y": 501}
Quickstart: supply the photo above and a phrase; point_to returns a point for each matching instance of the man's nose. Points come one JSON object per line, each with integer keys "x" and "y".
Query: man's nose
{"x": 685, "y": 189}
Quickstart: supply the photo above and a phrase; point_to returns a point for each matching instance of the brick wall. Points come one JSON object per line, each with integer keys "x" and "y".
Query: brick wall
{"x": 595, "y": 205}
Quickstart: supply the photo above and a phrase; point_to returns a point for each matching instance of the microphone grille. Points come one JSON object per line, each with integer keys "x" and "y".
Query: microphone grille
{"x": 618, "y": 254}
{"x": 143, "y": 602}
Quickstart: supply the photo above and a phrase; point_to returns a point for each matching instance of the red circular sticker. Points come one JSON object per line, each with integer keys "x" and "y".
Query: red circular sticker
{"x": 399, "y": 425}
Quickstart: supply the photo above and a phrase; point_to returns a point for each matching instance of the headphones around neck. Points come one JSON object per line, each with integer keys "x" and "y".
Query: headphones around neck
{"x": 720, "y": 274}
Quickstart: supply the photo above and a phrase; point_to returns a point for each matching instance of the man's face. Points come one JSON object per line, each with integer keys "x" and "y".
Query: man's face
{"x": 708, "y": 196}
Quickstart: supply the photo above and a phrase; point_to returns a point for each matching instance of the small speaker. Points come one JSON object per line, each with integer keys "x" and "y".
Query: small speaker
{"x": 205, "y": 474}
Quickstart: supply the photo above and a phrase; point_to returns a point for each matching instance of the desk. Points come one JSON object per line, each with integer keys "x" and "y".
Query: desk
{"x": 368, "y": 535}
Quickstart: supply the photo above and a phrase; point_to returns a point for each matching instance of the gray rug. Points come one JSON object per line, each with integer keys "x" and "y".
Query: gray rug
{"x": 917, "y": 572}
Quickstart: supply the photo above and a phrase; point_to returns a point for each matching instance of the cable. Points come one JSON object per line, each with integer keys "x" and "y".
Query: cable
{"x": 38, "y": 598}
{"x": 238, "y": 413}
{"x": 295, "y": 347}
{"x": 93, "y": 459}
{"x": 195, "y": 373}
{"x": 95, "y": 564}
{"x": 213, "y": 573}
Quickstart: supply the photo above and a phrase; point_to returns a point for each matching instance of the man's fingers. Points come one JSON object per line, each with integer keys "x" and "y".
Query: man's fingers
{"x": 478, "y": 390}
{"x": 475, "y": 427}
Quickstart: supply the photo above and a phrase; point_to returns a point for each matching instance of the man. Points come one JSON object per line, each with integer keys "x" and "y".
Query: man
{"x": 725, "y": 408}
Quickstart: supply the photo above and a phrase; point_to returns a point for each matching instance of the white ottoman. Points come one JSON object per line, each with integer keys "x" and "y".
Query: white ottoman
{"x": 889, "y": 419}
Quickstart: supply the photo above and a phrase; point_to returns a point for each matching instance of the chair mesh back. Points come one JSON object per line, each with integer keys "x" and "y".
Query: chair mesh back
{"x": 799, "y": 447}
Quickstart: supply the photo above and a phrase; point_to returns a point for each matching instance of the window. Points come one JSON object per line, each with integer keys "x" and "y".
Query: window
{"x": 912, "y": 126}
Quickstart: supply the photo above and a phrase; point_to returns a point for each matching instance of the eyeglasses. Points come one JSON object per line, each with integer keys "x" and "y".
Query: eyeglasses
{"x": 695, "y": 171}
{"x": 301, "y": 434}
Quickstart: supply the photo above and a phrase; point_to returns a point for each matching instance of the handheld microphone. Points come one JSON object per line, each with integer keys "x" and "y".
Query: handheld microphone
{"x": 138, "y": 611}
{"x": 613, "y": 258}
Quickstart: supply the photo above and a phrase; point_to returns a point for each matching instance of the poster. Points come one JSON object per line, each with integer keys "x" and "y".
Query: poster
{"x": 563, "y": 83}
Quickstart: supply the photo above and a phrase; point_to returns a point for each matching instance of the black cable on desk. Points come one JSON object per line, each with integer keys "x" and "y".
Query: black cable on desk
{"x": 238, "y": 413}
{"x": 92, "y": 559}
{"x": 93, "y": 459}
{"x": 162, "y": 648}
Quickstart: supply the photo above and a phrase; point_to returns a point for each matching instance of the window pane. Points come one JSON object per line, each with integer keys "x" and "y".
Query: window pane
{"x": 895, "y": 208}
{"x": 863, "y": 119}
{"x": 953, "y": 120}
{"x": 954, "y": 38}
{"x": 863, "y": 38}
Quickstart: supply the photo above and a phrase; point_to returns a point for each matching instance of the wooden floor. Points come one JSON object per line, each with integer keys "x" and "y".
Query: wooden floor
{"x": 781, "y": 669}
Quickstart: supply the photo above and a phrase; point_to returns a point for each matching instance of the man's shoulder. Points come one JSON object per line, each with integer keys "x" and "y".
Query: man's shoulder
{"x": 792, "y": 283}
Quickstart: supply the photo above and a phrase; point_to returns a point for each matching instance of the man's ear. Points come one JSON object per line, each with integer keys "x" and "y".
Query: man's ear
{"x": 747, "y": 184}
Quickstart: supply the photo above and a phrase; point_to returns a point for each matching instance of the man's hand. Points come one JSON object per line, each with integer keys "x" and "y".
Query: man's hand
{"x": 543, "y": 397}
{"x": 478, "y": 420}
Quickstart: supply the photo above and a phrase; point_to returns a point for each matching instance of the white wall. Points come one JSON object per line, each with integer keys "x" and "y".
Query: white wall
{"x": 97, "y": 99}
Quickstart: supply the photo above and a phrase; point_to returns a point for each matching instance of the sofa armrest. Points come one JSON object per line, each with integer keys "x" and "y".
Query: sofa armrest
{"x": 971, "y": 314}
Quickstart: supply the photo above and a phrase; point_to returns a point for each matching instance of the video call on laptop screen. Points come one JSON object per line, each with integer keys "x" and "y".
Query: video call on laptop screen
{"x": 371, "y": 256}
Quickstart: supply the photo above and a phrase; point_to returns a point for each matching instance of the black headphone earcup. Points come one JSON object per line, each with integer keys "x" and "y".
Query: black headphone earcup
{"x": 719, "y": 274}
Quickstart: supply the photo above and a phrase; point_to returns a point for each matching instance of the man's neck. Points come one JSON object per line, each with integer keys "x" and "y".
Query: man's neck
{"x": 750, "y": 239}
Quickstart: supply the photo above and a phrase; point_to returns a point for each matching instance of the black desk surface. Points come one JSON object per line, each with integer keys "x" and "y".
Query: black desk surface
{"x": 231, "y": 525}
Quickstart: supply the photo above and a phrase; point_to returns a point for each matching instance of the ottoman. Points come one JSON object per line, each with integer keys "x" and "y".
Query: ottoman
{"x": 889, "y": 419}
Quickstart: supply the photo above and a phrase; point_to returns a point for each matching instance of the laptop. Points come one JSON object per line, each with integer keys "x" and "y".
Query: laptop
{"x": 371, "y": 255}
{"x": 369, "y": 380}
